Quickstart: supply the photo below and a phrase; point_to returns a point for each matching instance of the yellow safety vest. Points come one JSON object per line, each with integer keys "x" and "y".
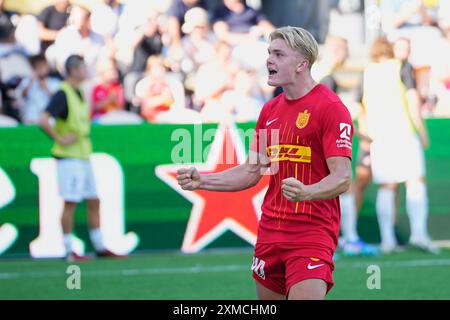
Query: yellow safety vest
{"x": 78, "y": 122}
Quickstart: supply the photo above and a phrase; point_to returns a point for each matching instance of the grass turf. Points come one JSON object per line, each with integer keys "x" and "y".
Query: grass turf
{"x": 217, "y": 275}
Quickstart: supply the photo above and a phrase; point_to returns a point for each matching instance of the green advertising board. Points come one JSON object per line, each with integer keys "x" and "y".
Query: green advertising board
{"x": 148, "y": 212}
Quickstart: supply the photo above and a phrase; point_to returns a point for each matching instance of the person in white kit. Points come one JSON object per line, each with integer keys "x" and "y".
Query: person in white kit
{"x": 399, "y": 136}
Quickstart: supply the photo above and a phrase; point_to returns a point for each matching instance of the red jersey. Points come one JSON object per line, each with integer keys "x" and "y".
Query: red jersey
{"x": 301, "y": 135}
{"x": 102, "y": 92}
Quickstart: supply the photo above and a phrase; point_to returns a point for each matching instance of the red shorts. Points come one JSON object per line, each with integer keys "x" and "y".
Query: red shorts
{"x": 278, "y": 267}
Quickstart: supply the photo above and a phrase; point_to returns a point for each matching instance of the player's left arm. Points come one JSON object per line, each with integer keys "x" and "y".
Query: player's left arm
{"x": 337, "y": 133}
{"x": 337, "y": 182}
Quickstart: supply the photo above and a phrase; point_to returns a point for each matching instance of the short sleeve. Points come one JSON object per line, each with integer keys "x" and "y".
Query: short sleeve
{"x": 44, "y": 15}
{"x": 337, "y": 131}
{"x": 57, "y": 106}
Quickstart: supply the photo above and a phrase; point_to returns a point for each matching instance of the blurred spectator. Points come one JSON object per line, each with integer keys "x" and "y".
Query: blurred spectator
{"x": 14, "y": 67}
{"x": 107, "y": 95}
{"x": 105, "y": 18}
{"x": 147, "y": 42}
{"x": 51, "y": 20}
{"x": 177, "y": 12}
{"x": 77, "y": 38}
{"x": 154, "y": 92}
{"x": 134, "y": 15}
{"x": 405, "y": 13}
{"x": 12, "y": 16}
{"x": 333, "y": 56}
{"x": 37, "y": 90}
{"x": 414, "y": 20}
{"x": 347, "y": 20}
{"x": 235, "y": 22}
{"x": 105, "y": 21}
{"x": 212, "y": 80}
{"x": 28, "y": 35}
{"x": 198, "y": 43}
{"x": 244, "y": 102}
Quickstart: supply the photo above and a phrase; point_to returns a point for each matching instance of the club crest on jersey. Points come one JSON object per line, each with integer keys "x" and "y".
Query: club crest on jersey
{"x": 303, "y": 119}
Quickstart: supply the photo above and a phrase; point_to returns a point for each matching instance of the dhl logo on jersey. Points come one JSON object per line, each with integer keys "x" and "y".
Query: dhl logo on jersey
{"x": 289, "y": 152}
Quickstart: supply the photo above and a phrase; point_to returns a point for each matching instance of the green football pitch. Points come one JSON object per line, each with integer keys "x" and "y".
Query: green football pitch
{"x": 217, "y": 275}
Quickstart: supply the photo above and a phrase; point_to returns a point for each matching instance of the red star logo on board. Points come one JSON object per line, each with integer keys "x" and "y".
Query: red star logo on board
{"x": 214, "y": 213}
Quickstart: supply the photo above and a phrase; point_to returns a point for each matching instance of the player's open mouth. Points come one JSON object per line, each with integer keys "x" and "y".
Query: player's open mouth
{"x": 272, "y": 71}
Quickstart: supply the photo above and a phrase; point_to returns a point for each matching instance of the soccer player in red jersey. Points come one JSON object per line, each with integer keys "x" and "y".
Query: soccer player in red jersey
{"x": 304, "y": 136}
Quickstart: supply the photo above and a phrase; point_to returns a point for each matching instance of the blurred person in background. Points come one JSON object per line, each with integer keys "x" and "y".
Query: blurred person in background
{"x": 235, "y": 22}
{"x": 212, "y": 80}
{"x": 154, "y": 93}
{"x": 107, "y": 94}
{"x": 415, "y": 20}
{"x": 105, "y": 18}
{"x": 333, "y": 56}
{"x": 105, "y": 21}
{"x": 198, "y": 42}
{"x": 77, "y": 38}
{"x": 37, "y": 90}
{"x": 244, "y": 101}
{"x": 397, "y": 14}
{"x": 399, "y": 135}
{"x": 12, "y": 16}
{"x": 402, "y": 50}
{"x": 51, "y": 20}
{"x": 14, "y": 67}
{"x": 147, "y": 42}
{"x": 176, "y": 14}
{"x": 72, "y": 150}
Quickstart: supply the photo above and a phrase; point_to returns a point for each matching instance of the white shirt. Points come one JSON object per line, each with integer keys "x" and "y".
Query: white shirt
{"x": 37, "y": 98}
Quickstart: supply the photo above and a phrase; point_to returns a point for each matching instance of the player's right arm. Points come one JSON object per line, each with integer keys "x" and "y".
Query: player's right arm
{"x": 57, "y": 108}
{"x": 44, "y": 123}
{"x": 238, "y": 178}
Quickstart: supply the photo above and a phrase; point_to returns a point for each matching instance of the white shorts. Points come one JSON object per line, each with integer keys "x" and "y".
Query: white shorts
{"x": 76, "y": 180}
{"x": 397, "y": 162}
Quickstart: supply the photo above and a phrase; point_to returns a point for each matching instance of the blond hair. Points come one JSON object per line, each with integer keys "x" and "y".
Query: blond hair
{"x": 298, "y": 39}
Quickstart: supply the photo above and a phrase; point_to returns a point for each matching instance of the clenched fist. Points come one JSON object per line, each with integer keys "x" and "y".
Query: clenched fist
{"x": 294, "y": 190}
{"x": 188, "y": 179}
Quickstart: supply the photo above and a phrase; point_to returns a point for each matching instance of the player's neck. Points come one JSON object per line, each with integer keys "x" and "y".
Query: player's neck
{"x": 300, "y": 88}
